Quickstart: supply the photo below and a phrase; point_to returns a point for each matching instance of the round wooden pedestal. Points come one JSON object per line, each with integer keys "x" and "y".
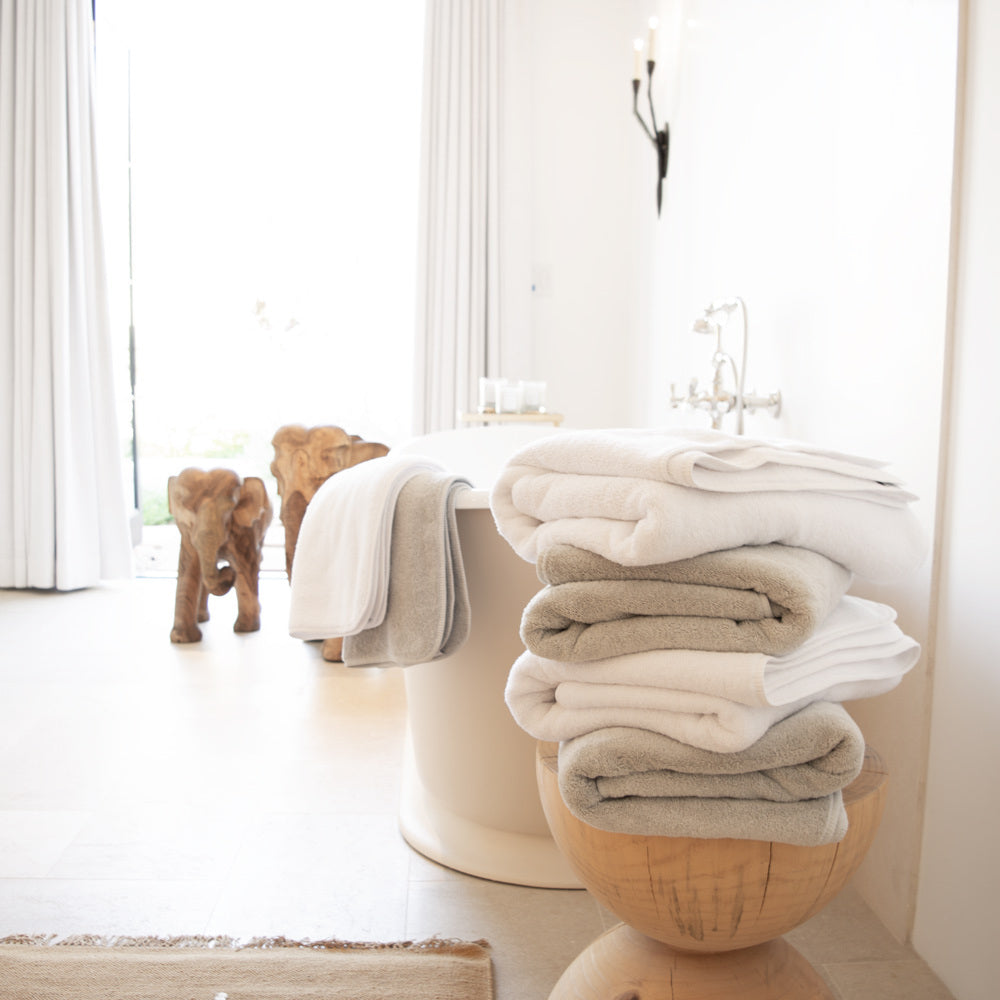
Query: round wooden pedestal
{"x": 623, "y": 964}
{"x": 701, "y": 916}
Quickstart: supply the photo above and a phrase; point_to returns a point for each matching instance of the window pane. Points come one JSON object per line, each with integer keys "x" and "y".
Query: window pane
{"x": 275, "y": 159}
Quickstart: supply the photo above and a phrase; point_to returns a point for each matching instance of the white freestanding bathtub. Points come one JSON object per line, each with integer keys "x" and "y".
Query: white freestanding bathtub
{"x": 469, "y": 798}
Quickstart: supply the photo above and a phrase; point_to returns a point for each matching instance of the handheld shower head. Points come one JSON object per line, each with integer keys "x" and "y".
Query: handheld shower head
{"x": 705, "y": 325}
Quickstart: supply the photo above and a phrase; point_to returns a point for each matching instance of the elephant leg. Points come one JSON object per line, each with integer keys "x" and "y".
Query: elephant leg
{"x": 292, "y": 512}
{"x": 247, "y": 600}
{"x": 333, "y": 649}
{"x": 202, "y": 601}
{"x": 244, "y": 552}
{"x": 188, "y": 597}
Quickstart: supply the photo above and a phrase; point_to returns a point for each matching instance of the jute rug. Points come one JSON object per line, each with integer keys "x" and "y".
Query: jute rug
{"x": 90, "y": 968}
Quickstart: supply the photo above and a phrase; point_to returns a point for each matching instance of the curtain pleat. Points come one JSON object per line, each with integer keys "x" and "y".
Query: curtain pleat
{"x": 458, "y": 301}
{"x": 63, "y": 518}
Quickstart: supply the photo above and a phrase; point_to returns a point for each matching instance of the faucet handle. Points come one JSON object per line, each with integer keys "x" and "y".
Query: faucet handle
{"x": 691, "y": 399}
{"x": 771, "y": 402}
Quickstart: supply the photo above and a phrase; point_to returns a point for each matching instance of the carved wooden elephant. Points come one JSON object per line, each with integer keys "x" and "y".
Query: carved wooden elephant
{"x": 304, "y": 459}
{"x": 222, "y": 518}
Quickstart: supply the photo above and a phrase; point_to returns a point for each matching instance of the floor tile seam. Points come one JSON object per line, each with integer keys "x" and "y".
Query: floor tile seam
{"x": 327, "y": 812}
{"x": 831, "y": 985}
{"x": 86, "y": 816}
{"x": 64, "y": 879}
{"x": 912, "y": 961}
{"x": 232, "y": 852}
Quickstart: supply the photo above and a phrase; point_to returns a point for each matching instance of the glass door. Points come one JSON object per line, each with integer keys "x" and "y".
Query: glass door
{"x": 260, "y": 181}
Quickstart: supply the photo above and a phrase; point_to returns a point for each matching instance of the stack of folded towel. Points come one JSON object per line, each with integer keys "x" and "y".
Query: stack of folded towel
{"x": 378, "y": 562}
{"x": 694, "y": 638}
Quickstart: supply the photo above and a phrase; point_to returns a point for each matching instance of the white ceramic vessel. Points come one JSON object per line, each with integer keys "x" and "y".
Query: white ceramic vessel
{"x": 470, "y": 799}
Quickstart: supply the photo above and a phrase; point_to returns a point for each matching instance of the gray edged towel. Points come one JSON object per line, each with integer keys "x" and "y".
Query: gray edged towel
{"x": 786, "y": 787}
{"x": 751, "y": 599}
{"x": 717, "y": 701}
{"x": 427, "y": 612}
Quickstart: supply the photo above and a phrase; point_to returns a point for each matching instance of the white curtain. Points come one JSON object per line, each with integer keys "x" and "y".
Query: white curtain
{"x": 458, "y": 277}
{"x": 63, "y": 521}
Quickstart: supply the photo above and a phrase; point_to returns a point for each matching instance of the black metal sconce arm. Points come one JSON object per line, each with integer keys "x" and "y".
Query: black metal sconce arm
{"x": 660, "y": 138}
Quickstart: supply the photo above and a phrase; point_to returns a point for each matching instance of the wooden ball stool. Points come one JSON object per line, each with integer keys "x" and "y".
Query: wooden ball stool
{"x": 703, "y": 918}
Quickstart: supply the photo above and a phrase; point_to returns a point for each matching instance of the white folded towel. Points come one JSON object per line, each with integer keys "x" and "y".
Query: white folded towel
{"x": 340, "y": 574}
{"x": 637, "y": 522}
{"x": 644, "y": 495}
{"x": 717, "y": 701}
{"x": 715, "y": 461}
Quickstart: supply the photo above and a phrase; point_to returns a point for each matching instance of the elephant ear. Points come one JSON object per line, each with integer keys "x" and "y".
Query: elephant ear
{"x": 253, "y": 504}
{"x": 285, "y": 441}
{"x": 178, "y": 501}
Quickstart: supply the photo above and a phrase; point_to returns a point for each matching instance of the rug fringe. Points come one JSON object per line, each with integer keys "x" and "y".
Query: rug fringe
{"x": 447, "y": 946}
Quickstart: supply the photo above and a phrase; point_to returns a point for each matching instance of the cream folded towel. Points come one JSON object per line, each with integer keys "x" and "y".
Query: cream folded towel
{"x": 640, "y": 496}
{"x": 427, "y": 616}
{"x": 715, "y": 461}
{"x": 638, "y": 521}
{"x": 786, "y": 787}
{"x": 754, "y": 599}
{"x": 340, "y": 574}
{"x": 717, "y": 701}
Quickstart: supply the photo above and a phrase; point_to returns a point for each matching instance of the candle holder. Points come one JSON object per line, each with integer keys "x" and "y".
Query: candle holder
{"x": 660, "y": 137}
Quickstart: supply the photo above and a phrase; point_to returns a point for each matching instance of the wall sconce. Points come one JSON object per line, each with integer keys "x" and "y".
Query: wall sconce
{"x": 718, "y": 399}
{"x": 659, "y": 137}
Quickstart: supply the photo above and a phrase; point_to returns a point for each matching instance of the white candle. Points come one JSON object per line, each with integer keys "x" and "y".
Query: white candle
{"x": 637, "y": 64}
{"x": 653, "y": 25}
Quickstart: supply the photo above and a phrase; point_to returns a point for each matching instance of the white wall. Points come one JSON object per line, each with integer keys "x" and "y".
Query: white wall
{"x": 811, "y": 176}
{"x": 577, "y": 141}
{"x": 957, "y": 924}
{"x": 810, "y": 173}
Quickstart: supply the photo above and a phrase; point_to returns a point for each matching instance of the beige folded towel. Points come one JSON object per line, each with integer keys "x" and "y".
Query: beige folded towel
{"x": 752, "y": 599}
{"x": 785, "y": 787}
{"x": 718, "y": 701}
{"x": 427, "y": 611}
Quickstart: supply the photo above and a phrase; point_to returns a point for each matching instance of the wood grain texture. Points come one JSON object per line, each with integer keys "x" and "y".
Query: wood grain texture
{"x": 623, "y": 964}
{"x": 222, "y": 518}
{"x": 712, "y": 895}
{"x": 304, "y": 459}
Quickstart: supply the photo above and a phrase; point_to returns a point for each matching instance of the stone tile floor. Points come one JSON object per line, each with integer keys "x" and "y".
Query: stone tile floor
{"x": 245, "y": 786}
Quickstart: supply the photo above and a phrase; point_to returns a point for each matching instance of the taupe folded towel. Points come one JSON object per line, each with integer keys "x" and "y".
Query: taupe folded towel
{"x": 785, "y": 787}
{"x": 752, "y": 599}
{"x": 427, "y": 614}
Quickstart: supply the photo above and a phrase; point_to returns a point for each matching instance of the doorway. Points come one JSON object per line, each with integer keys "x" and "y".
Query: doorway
{"x": 260, "y": 170}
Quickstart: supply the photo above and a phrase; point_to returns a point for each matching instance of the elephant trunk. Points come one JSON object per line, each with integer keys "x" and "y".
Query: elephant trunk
{"x": 217, "y": 580}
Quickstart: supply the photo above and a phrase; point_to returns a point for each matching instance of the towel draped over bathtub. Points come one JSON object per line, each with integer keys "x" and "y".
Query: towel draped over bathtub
{"x": 754, "y": 599}
{"x": 716, "y": 701}
{"x": 785, "y": 787}
{"x": 340, "y": 574}
{"x": 427, "y": 614}
{"x": 639, "y": 497}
